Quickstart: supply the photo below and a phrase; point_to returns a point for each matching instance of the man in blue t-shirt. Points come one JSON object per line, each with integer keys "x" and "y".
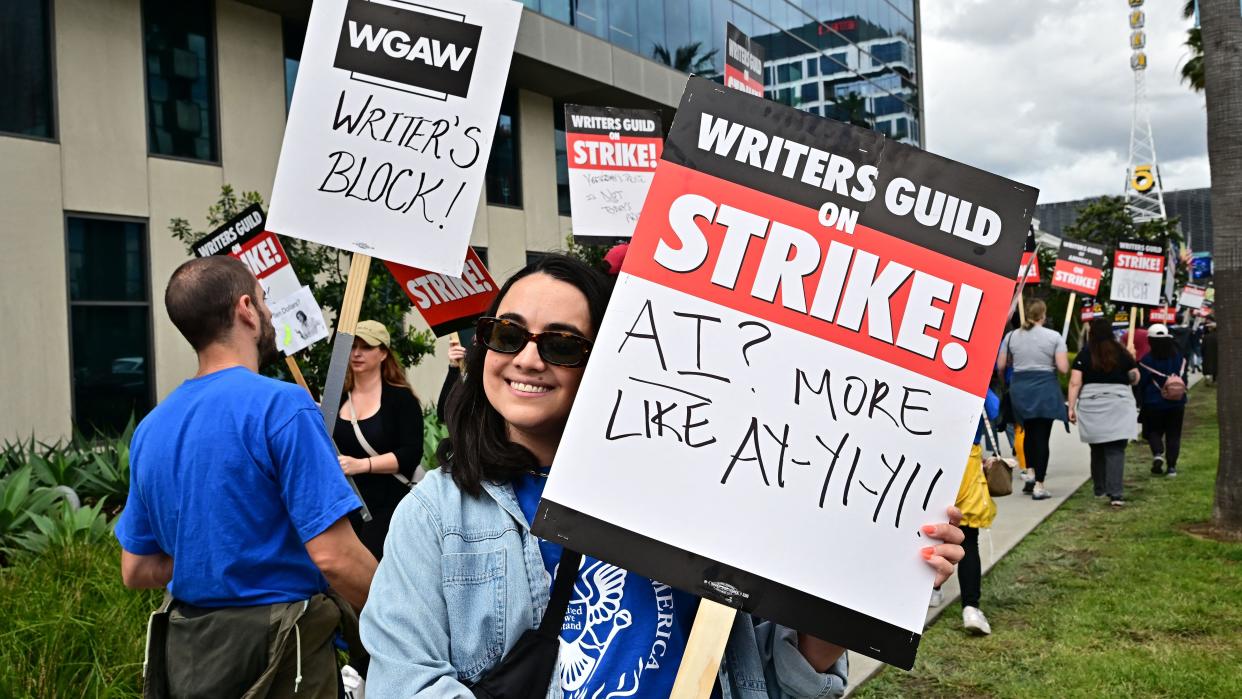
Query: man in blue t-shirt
{"x": 237, "y": 503}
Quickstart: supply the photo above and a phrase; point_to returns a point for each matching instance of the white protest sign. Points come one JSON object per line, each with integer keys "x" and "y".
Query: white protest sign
{"x": 791, "y": 370}
{"x": 391, "y": 125}
{"x": 1192, "y": 296}
{"x": 612, "y": 157}
{"x": 1138, "y": 272}
{"x": 298, "y": 320}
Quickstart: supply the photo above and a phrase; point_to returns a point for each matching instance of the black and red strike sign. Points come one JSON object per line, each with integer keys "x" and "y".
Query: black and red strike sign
{"x": 448, "y": 304}
{"x": 244, "y": 238}
{"x": 802, "y": 253}
{"x": 1030, "y": 262}
{"x": 1079, "y": 267}
{"x": 743, "y": 62}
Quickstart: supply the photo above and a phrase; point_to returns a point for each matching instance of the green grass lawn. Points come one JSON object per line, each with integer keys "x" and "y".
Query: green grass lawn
{"x": 68, "y": 628}
{"x": 1103, "y": 603}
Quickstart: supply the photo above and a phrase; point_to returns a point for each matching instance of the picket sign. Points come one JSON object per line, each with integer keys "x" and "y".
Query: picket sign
{"x": 696, "y": 677}
{"x": 342, "y": 345}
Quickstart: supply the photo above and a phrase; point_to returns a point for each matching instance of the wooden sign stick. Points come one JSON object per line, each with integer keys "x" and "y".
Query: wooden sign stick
{"x": 1069, "y": 314}
{"x": 296, "y": 372}
{"x": 696, "y": 677}
{"x": 1021, "y": 308}
{"x": 342, "y": 345}
{"x": 1130, "y": 333}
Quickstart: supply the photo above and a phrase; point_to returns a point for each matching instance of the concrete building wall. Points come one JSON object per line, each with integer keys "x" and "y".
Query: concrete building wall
{"x": 99, "y": 164}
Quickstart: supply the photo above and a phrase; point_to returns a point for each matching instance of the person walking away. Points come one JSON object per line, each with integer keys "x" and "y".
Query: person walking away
{"x": 1102, "y": 405}
{"x": 1162, "y": 415}
{"x": 978, "y": 512}
{"x": 237, "y": 504}
{"x": 379, "y": 431}
{"x": 459, "y": 602}
{"x": 1036, "y": 354}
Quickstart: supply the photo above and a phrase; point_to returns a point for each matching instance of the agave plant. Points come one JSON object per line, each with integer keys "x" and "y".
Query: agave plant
{"x": 64, "y": 525}
{"x": 20, "y": 503}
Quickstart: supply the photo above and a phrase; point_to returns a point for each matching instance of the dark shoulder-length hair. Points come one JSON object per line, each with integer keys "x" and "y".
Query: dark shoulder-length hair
{"x": 478, "y": 446}
{"x": 1105, "y": 350}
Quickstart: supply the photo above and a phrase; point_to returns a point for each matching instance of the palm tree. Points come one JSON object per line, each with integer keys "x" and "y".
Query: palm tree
{"x": 1192, "y": 69}
{"x": 685, "y": 58}
{"x": 1222, "y": 72}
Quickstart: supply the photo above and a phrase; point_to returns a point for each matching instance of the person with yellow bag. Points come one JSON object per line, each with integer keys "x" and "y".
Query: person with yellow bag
{"x": 978, "y": 511}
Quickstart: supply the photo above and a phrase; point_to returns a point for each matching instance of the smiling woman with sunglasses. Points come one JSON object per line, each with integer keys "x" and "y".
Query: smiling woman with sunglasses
{"x": 456, "y": 606}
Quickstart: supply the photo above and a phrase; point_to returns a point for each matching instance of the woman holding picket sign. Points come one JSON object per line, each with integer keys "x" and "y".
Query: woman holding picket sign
{"x": 464, "y": 601}
{"x": 1036, "y": 354}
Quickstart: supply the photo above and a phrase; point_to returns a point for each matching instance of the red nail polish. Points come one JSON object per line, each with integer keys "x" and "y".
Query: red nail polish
{"x": 927, "y": 552}
{"x": 929, "y": 529}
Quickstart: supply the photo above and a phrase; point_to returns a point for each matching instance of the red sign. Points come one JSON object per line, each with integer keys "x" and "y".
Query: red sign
{"x": 448, "y": 304}
{"x": 1164, "y": 314}
{"x": 1091, "y": 311}
{"x": 1030, "y": 264}
{"x": 1080, "y": 278}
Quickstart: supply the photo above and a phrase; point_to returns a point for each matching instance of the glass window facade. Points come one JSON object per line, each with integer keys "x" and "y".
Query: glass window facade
{"x": 181, "y": 78}
{"x": 503, "y": 177}
{"x": 109, "y": 323}
{"x": 26, "y": 68}
{"x": 561, "y": 152}
{"x": 293, "y": 34}
{"x": 811, "y": 47}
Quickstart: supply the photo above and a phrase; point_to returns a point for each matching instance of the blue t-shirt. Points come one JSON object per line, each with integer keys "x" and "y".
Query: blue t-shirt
{"x": 231, "y": 475}
{"x": 624, "y": 634}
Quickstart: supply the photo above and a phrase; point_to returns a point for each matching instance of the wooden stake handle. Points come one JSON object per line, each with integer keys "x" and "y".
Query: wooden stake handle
{"x": 1021, "y": 307}
{"x": 355, "y": 289}
{"x": 296, "y": 371}
{"x": 1130, "y": 333}
{"x": 696, "y": 677}
{"x": 1069, "y": 314}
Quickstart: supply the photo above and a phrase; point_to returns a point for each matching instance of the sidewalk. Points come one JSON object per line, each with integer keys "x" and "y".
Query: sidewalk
{"x": 1017, "y": 515}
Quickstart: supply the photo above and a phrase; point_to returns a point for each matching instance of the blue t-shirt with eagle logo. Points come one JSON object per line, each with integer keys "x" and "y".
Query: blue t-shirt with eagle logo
{"x": 623, "y": 634}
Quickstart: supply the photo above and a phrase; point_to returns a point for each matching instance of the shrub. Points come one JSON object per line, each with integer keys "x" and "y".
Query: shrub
{"x": 20, "y": 502}
{"x": 68, "y": 627}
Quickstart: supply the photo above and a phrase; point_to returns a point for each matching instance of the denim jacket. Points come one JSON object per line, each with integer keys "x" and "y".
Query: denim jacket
{"x": 462, "y": 578}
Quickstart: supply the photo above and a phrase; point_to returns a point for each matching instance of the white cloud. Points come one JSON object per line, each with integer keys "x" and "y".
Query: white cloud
{"x": 1042, "y": 92}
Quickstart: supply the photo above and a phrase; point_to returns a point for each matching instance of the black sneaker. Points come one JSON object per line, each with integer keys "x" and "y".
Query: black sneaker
{"x": 1157, "y": 464}
{"x": 1029, "y": 487}
{"x": 1171, "y": 473}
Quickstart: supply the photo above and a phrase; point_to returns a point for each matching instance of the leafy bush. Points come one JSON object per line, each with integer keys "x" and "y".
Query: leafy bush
{"x": 433, "y": 432}
{"x": 20, "y": 502}
{"x": 95, "y": 469}
{"x": 65, "y": 525}
{"x": 70, "y": 628}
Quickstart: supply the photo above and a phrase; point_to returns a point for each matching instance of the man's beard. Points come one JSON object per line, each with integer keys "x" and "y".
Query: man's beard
{"x": 268, "y": 352}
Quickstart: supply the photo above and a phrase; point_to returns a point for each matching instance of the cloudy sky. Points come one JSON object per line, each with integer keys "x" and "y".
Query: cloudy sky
{"x": 1041, "y": 91}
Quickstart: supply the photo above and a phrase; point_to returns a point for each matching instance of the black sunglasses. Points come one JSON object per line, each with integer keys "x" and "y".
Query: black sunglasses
{"x": 557, "y": 347}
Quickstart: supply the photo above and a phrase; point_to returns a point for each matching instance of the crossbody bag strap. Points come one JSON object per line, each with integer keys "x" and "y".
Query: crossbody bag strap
{"x": 366, "y": 446}
{"x": 562, "y": 590}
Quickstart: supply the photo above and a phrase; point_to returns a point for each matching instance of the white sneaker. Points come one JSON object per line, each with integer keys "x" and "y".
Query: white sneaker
{"x": 973, "y": 619}
{"x": 1027, "y": 475}
{"x": 937, "y": 598}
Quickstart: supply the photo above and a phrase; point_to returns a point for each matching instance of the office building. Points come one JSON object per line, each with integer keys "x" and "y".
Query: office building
{"x": 120, "y": 115}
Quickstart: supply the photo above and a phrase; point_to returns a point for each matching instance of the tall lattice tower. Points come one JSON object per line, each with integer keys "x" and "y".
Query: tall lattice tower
{"x": 1144, "y": 197}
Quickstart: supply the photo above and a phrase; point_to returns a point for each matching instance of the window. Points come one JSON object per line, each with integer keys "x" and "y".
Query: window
{"x": 293, "y": 32}
{"x": 891, "y": 52}
{"x": 812, "y": 67}
{"x": 788, "y": 72}
{"x": 109, "y": 323}
{"x": 888, "y": 105}
{"x": 503, "y": 177}
{"x": 181, "y": 80}
{"x": 833, "y": 64}
{"x": 810, "y": 92}
{"x": 561, "y": 153}
{"x": 26, "y": 68}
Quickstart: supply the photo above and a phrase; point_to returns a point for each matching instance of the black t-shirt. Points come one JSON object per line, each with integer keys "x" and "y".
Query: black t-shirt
{"x": 1120, "y": 373}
